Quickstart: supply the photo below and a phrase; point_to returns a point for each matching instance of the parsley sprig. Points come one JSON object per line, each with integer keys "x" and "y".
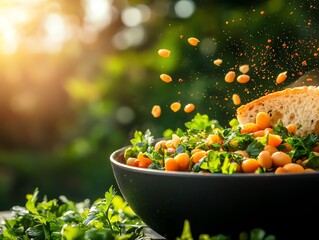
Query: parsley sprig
{"x": 107, "y": 218}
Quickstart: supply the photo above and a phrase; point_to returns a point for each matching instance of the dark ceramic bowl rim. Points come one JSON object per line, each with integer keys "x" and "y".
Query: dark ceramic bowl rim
{"x": 115, "y": 154}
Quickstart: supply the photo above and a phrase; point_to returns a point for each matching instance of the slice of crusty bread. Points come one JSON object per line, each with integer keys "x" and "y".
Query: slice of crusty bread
{"x": 299, "y": 105}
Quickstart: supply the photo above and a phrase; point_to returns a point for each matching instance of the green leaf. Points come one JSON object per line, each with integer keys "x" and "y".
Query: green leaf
{"x": 187, "y": 233}
{"x": 72, "y": 233}
{"x": 254, "y": 148}
{"x": 36, "y": 232}
{"x": 257, "y": 234}
{"x": 313, "y": 161}
{"x": 201, "y": 122}
{"x": 32, "y": 199}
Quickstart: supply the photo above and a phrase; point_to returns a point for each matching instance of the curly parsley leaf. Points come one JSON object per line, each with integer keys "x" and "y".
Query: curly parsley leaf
{"x": 107, "y": 218}
{"x": 254, "y": 148}
{"x": 313, "y": 161}
{"x": 202, "y": 122}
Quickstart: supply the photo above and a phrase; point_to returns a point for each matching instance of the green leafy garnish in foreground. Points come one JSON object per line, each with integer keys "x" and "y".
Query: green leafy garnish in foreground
{"x": 107, "y": 218}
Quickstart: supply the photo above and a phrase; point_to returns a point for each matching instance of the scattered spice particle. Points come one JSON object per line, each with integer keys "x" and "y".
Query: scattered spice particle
{"x": 262, "y": 12}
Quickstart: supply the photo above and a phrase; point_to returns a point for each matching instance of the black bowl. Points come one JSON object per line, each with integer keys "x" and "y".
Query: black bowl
{"x": 283, "y": 205}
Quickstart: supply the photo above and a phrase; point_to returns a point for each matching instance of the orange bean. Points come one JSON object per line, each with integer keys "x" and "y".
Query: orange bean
{"x": 183, "y": 161}
{"x": 165, "y": 53}
{"x": 131, "y": 161}
{"x": 244, "y": 68}
{"x": 230, "y": 77}
{"x": 263, "y": 120}
{"x": 236, "y": 99}
{"x": 243, "y": 78}
{"x": 243, "y": 153}
{"x": 309, "y": 170}
{"x": 279, "y": 159}
{"x": 292, "y": 128}
{"x": 198, "y": 156}
{"x": 170, "y": 144}
{"x": 176, "y": 139}
{"x": 171, "y": 164}
{"x": 270, "y": 149}
{"x": 293, "y": 168}
{"x": 160, "y": 145}
{"x": 274, "y": 140}
{"x": 259, "y": 133}
{"x": 189, "y": 108}
{"x": 281, "y": 77}
{"x": 156, "y": 111}
{"x": 195, "y": 150}
{"x": 249, "y": 128}
{"x": 288, "y": 147}
{"x": 249, "y": 165}
{"x": 193, "y": 41}
{"x": 269, "y": 130}
{"x": 218, "y": 62}
{"x": 280, "y": 170}
{"x": 144, "y": 162}
{"x": 175, "y": 106}
{"x": 264, "y": 159}
{"x": 165, "y": 78}
{"x": 213, "y": 138}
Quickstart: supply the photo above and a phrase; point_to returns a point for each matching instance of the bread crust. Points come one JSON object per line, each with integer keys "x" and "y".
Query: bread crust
{"x": 299, "y": 105}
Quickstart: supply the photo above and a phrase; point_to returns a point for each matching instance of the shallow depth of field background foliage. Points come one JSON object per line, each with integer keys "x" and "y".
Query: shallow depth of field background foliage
{"x": 79, "y": 77}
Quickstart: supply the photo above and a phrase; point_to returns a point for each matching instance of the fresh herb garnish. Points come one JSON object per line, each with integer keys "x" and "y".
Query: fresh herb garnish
{"x": 107, "y": 218}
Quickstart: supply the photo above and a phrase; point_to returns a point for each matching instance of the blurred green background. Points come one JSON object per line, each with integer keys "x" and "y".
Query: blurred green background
{"x": 79, "y": 77}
